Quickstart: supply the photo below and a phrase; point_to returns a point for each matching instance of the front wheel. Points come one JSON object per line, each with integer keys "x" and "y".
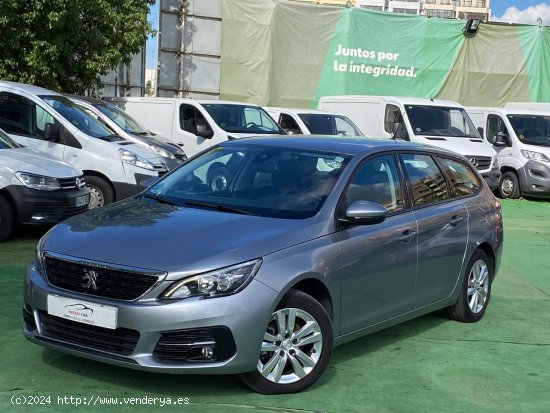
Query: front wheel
{"x": 509, "y": 186}
{"x": 296, "y": 348}
{"x": 6, "y": 219}
{"x": 101, "y": 192}
{"x": 476, "y": 290}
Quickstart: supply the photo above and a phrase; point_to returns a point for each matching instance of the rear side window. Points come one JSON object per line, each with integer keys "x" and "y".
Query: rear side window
{"x": 463, "y": 180}
{"x": 427, "y": 182}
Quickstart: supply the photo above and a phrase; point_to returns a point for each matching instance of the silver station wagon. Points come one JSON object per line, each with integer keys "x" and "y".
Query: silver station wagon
{"x": 258, "y": 256}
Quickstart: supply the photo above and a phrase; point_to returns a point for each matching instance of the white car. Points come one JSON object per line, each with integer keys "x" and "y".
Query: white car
{"x": 313, "y": 122}
{"x": 36, "y": 188}
{"x": 47, "y": 121}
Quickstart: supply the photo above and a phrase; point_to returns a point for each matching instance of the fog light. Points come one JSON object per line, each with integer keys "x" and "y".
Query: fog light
{"x": 208, "y": 352}
{"x": 38, "y": 217}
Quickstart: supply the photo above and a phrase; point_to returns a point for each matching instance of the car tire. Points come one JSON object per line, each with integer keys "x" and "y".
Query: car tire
{"x": 6, "y": 219}
{"x": 509, "y": 186}
{"x": 475, "y": 290}
{"x": 293, "y": 361}
{"x": 218, "y": 177}
{"x": 101, "y": 192}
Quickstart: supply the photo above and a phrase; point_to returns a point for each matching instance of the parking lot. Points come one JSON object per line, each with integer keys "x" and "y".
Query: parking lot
{"x": 428, "y": 364}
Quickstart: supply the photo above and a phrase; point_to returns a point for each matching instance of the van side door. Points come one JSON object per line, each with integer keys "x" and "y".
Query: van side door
{"x": 30, "y": 124}
{"x": 442, "y": 229}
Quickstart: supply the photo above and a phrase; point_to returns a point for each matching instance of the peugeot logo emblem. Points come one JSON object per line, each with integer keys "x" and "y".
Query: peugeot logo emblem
{"x": 474, "y": 161}
{"x": 90, "y": 278}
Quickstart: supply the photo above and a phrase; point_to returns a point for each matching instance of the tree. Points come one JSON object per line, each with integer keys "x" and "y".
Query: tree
{"x": 66, "y": 45}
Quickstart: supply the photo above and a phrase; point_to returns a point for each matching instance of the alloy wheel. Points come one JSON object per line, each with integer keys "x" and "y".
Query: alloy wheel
{"x": 478, "y": 286}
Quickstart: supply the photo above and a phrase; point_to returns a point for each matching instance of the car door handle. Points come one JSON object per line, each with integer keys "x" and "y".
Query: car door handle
{"x": 408, "y": 235}
{"x": 457, "y": 219}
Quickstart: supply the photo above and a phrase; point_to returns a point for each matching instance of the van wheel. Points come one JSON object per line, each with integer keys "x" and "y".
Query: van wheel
{"x": 6, "y": 219}
{"x": 296, "y": 348}
{"x": 509, "y": 186}
{"x": 218, "y": 177}
{"x": 476, "y": 290}
{"x": 101, "y": 192}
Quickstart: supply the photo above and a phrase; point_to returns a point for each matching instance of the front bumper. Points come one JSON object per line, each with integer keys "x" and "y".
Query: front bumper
{"x": 492, "y": 178}
{"x": 46, "y": 207}
{"x": 534, "y": 179}
{"x": 244, "y": 315}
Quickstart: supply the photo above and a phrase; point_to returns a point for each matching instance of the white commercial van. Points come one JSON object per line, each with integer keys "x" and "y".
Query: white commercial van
{"x": 36, "y": 188}
{"x": 47, "y": 121}
{"x": 199, "y": 124}
{"x": 313, "y": 122}
{"x": 435, "y": 122}
{"x": 521, "y": 138}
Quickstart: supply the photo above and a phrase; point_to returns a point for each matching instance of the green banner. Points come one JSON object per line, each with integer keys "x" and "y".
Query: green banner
{"x": 282, "y": 53}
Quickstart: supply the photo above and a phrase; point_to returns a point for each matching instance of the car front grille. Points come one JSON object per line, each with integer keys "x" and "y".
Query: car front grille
{"x": 97, "y": 280}
{"x": 481, "y": 163}
{"x": 72, "y": 184}
{"x": 186, "y": 345}
{"x": 118, "y": 341}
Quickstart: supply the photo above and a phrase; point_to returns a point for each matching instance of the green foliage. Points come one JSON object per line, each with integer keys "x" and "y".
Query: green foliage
{"x": 65, "y": 45}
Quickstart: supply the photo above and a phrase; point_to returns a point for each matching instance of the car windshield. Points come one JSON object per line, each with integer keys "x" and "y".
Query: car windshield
{"x": 531, "y": 129}
{"x": 242, "y": 118}
{"x": 78, "y": 117}
{"x": 441, "y": 121}
{"x": 6, "y": 142}
{"x": 253, "y": 180}
{"x": 121, "y": 118}
{"x": 326, "y": 124}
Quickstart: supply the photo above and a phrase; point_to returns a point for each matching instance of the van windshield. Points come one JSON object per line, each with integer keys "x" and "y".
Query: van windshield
{"x": 121, "y": 118}
{"x": 531, "y": 129}
{"x": 79, "y": 117}
{"x": 242, "y": 118}
{"x": 326, "y": 124}
{"x": 440, "y": 121}
{"x": 6, "y": 142}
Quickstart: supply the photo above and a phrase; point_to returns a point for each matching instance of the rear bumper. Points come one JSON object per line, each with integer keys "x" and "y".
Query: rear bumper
{"x": 46, "y": 207}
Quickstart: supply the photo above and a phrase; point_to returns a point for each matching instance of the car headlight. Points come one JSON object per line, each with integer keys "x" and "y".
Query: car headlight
{"x": 39, "y": 258}
{"x": 225, "y": 281}
{"x": 161, "y": 152}
{"x": 131, "y": 158}
{"x": 42, "y": 183}
{"x": 535, "y": 156}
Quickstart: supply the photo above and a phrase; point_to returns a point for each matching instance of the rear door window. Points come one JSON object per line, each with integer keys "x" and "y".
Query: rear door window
{"x": 427, "y": 181}
{"x": 463, "y": 179}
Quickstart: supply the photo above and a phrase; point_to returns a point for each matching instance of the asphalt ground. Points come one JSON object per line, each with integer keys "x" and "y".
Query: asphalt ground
{"x": 431, "y": 364}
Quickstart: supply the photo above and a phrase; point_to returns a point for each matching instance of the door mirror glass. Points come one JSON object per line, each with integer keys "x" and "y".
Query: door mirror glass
{"x": 366, "y": 213}
{"x": 501, "y": 139}
{"x": 51, "y": 132}
{"x": 204, "y": 131}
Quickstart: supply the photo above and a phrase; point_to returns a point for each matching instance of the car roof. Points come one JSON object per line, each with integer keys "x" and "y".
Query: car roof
{"x": 88, "y": 99}
{"x": 340, "y": 145}
{"x": 31, "y": 89}
{"x": 543, "y": 111}
{"x": 404, "y": 100}
{"x": 299, "y": 111}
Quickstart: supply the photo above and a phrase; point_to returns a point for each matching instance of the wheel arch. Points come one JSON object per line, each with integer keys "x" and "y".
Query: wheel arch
{"x": 488, "y": 249}
{"x": 11, "y": 201}
{"x": 316, "y": 289}
{"x": 97, "y": 174}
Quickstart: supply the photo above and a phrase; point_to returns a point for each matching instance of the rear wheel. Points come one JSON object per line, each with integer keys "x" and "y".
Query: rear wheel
{"x": 509, "y": 186}
{"x": 101, "y": 192}
{"x": 476, "y": 290}
{"x": 6, "y": 219}
{"x": 296, "y": 348}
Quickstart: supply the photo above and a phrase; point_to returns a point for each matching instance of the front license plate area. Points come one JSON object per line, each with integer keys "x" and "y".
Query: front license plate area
{"x": 82, "y": 311}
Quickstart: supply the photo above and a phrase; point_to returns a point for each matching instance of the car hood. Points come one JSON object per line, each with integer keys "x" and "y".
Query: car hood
{"x": 150, "y": 235}
{"x": 170, "y": 147}
{"x": 36, "y": 162}
{"x": 463, "y": 146}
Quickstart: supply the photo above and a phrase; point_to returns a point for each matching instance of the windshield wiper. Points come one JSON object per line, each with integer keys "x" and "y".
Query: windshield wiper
{"x": 159, "y": 198}
{"x": 143, "y": 133}
{"x": 218, "y": 207}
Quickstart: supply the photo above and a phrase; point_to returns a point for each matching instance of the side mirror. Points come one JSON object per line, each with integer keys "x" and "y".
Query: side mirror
{"x": 501, "y": 139}
{"x": 51, "y": 132}
{"x": 204, "y": 131}
{"x": 480, "y": 130}
{"x": 366, "y": 213}
{"x": 146, "y": 183}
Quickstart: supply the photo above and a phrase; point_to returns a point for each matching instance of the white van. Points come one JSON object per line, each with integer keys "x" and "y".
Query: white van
{"x": 313, "y": 122}
{"x": 521, "y": 138}
{"x": 439, "y": 123}
{"x": 199, "y": 124}
{"x": 47, "y": 121}
{"x": 36, "y": 188}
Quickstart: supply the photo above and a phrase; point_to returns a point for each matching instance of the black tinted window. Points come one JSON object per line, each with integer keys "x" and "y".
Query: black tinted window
{"x": 21, "y": 116}
{"x": 377, "y": 180}
{"x": 190, "y": 117}
{"x": 427, "y": 182}
{"x": 463, "y": 180}
{"x": 288, "y": 123}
